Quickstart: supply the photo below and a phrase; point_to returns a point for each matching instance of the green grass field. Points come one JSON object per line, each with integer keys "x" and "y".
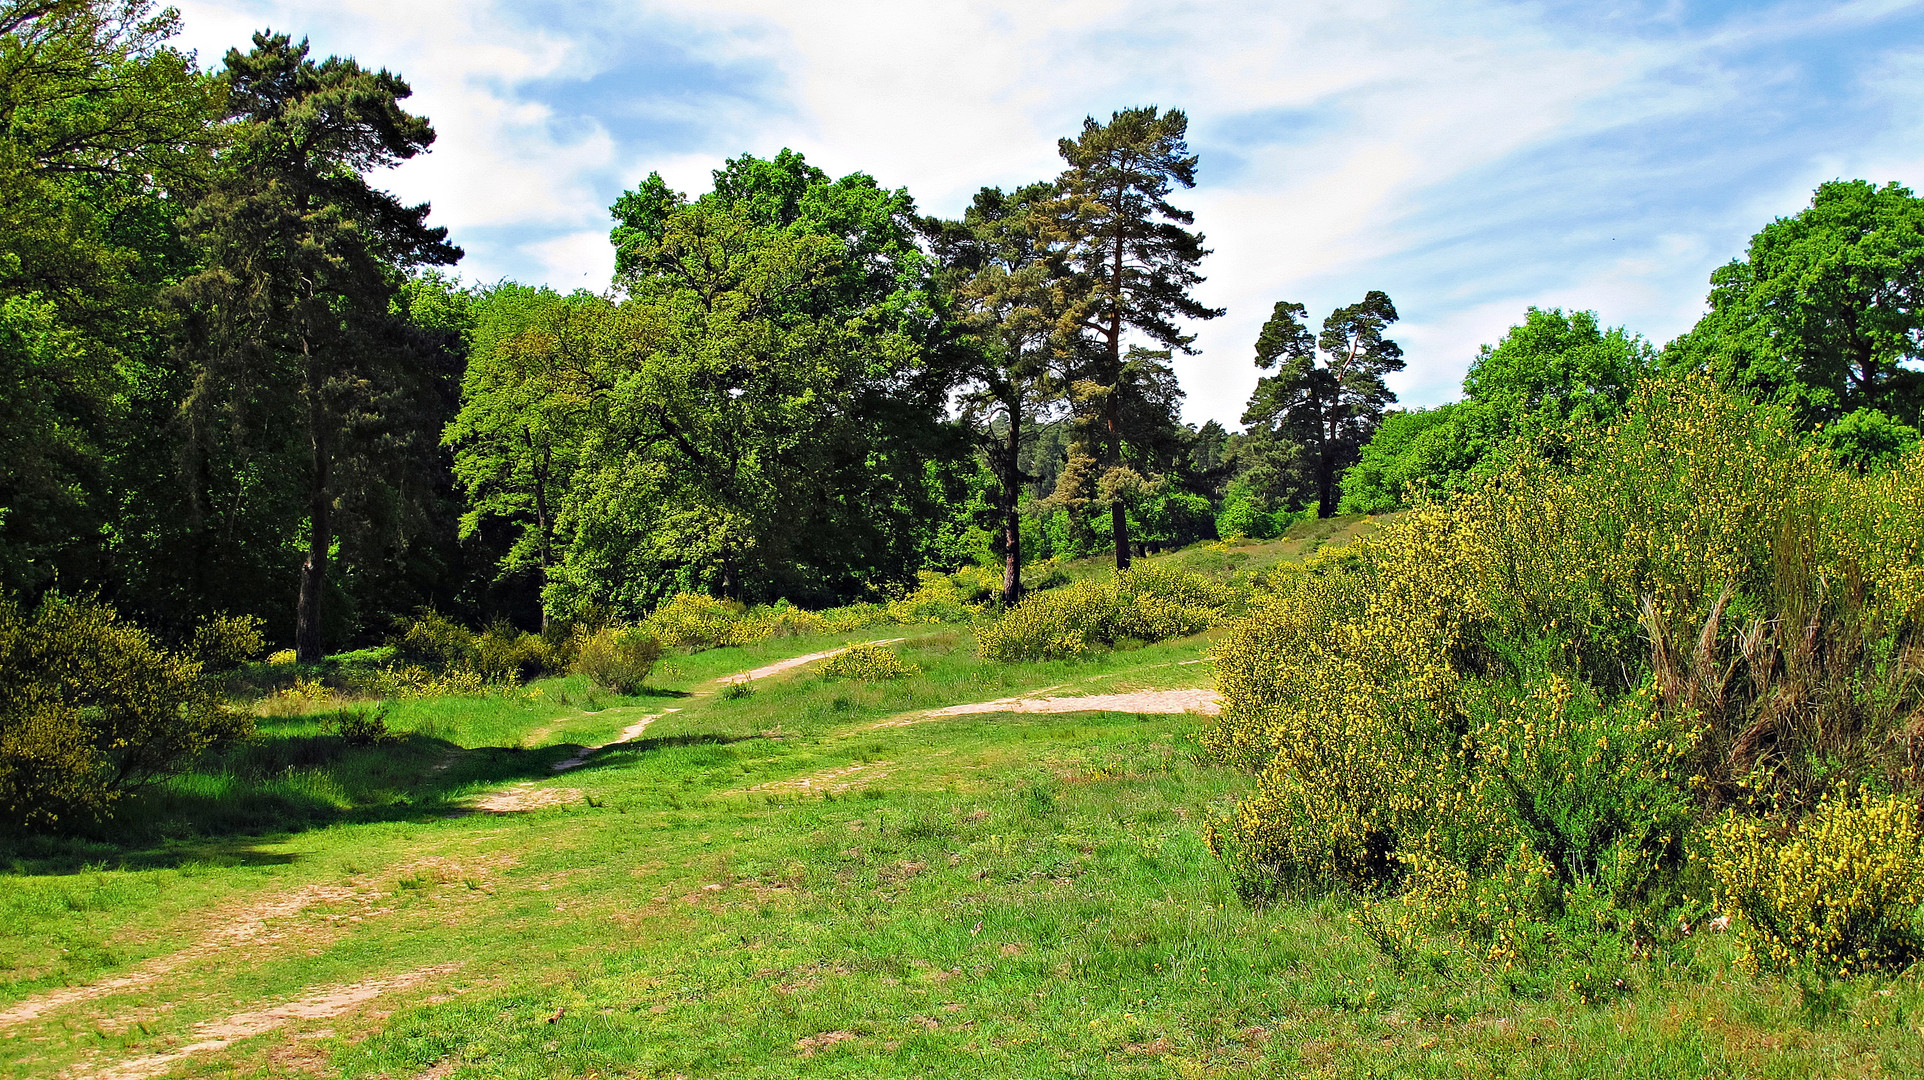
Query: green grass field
{"x": 994, "y": 895}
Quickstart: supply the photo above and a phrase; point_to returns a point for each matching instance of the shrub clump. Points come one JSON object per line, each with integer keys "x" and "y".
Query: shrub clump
{"x": 91, "y": 708}
{"x": 1838, "y": 892}
{"x": 359, "y": 726}
{"x": 497, "y": 654}
{"x": 1146, "y": 604}
{"x": 1519, "y": 709}
{"x": 867, "y": 662}
{"x": 616, "y": 658}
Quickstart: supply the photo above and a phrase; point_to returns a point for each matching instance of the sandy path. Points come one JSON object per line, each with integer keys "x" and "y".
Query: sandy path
{"x": 780, "y": 666}
{"x": 1206, "y": 702}
{"x": 219, "y": 1034}
{"x": 628, "y": 734}
{"x": 243, "y": 927}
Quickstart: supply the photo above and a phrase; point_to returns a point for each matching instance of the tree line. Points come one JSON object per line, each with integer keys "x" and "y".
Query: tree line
{"x": 236, "y": 376}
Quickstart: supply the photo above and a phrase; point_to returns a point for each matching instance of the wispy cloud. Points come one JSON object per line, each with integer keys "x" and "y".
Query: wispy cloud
{"x": 1472, "y": 158}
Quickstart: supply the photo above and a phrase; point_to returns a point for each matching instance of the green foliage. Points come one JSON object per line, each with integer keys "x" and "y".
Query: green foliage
{"x": 617, "y": 658}
{"x": 1142, "y": 604}
{"x": 1553, "y": 375}
{"x": 1868, "y": 440}
{"x": 1820, "y": 314}
{"x": 1247, "y": 513}
{"x": 1553, "y": 678}
{"x": 91, "y": 707}
{"x": 102, "y": 123}
{"x": 1838, "y": 892}
{"x": 709, "y": 462}
{"x": 867, "y": 663}
{"x": 1328, "y": 394}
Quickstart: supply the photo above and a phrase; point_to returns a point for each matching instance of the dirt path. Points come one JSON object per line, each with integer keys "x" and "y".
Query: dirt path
{"x": 1206, "y": 702}
{"x": 219, "y": 1034}
{"x": 780, "y": 666}
{"x": 243, "y": 927}
{"x": 628, "y": 734}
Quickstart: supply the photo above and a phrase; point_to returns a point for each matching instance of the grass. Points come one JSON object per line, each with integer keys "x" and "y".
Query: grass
{"x": 1002, "y": 895}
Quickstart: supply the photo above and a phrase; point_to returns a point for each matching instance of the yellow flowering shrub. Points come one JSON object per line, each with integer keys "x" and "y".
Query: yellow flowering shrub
{"x": 1565, "y": 671}
{"x": 1840, "y": 892}
{"x": 868, "y": 662}
{"x": 1144, "y": 603}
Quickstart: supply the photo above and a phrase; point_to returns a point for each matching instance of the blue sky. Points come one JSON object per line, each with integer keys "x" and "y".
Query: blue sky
{"x": 1470, "y": 158}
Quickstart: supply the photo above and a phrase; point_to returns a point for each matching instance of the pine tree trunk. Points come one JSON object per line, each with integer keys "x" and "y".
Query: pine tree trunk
{"x": 1326, "y": 476}
{"x": 1011, "y": 512}
{"x": 307, "y": 617}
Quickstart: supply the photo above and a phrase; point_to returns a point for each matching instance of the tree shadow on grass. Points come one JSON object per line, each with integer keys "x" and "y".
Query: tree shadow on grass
{"x": 238, "y": 800}
{"x": 625, "y": 753}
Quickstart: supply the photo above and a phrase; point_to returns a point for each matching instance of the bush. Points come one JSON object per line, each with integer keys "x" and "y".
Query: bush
{"x": 698, "y": 622}
{"x": 363, "y": 726}
{"x": 694, "y": 621}
{"x": 431, "y": 639}
{"x": 92, "y": 708}
{"x": 1145, "y": 603}
{"x": 868, "y": 663}
{"x": 404, "y": 682}
{"x": 499, "y": 654}
{"x": 225, "y": 642}
{"x": 938, "y": 598}
{"x": 503, "y": 654}
{"x": 618, "y": 659}
{"x": 282, "y": 658}
{"x": 1839, "y": 892}
{"x": 1569, "y": 668}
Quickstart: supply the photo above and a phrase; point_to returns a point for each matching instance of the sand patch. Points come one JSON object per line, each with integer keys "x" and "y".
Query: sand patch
{"x": 833, "y": 781}
{"x": 1204, "y": 701}
{"x": 219, "y": 1034}
{"x": 525, "y": 797}
{"x": 780, "y": 666}
{"x": 808, "y": 1045}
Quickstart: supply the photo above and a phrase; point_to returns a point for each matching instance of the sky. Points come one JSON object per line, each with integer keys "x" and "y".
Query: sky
{"x": 1470, "y": 158}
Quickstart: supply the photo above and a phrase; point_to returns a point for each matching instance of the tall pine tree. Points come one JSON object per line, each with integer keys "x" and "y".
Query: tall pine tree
{"x": 1328, "y": 394}
{"x": 300, "y": 362}
{"x": 1135, "y": 266}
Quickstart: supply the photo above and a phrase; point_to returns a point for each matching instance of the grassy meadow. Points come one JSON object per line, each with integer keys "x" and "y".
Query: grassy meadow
{"x": 802, "y": 877}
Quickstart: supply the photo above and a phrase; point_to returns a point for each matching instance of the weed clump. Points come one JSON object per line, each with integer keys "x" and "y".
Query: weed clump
{"x": 359, "y": 726}
{"x": 1144, "y": 604}
{"x": 868, "y": 663}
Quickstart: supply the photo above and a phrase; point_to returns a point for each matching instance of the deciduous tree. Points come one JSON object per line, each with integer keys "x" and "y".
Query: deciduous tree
{"x": 1824, "y": 309}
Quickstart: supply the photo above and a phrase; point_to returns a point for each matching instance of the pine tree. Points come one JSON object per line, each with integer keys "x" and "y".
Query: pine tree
{"x": 1135, "y": 265}
{"x": 1328, "y": 394}
{"x": 290, "y": 329}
